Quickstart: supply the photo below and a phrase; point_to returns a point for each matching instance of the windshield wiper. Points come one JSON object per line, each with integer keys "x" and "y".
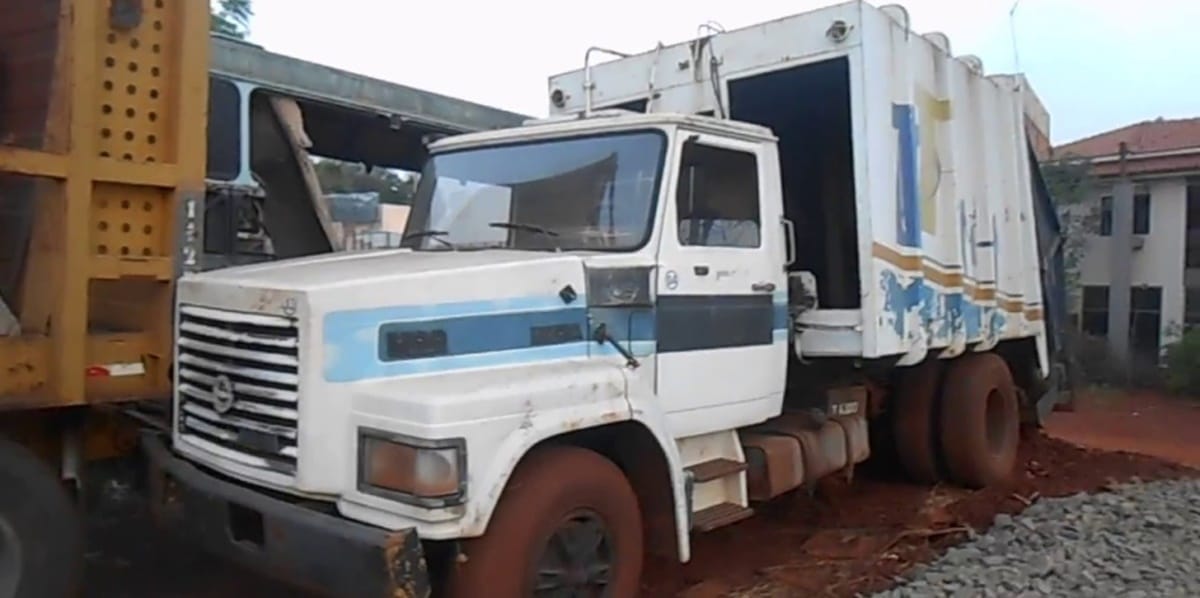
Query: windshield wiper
{"x": 436, "y": 235}
{"x": 532, "y": 228}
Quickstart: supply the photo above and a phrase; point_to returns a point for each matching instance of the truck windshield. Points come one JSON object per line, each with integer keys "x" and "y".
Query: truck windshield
{"x": 581, "y": 193}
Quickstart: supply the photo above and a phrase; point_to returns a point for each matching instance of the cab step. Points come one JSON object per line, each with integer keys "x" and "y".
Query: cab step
{"x": 715, "y": 469}
{"x": 719, "y": 515}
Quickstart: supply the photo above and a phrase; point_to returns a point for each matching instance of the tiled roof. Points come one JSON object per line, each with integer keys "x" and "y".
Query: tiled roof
{"x": 1148, "y": 136}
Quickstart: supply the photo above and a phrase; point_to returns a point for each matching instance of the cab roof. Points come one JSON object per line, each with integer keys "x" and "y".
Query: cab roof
{"x": 606, "y": 121}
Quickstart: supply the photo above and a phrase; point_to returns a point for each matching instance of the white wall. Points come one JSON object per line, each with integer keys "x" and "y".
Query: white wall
{"x": 1160, "y": 261}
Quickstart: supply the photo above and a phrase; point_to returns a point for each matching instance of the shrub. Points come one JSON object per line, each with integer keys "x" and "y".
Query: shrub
{"x": 1094, "y": 364}
{"x": 1183, "y": 364}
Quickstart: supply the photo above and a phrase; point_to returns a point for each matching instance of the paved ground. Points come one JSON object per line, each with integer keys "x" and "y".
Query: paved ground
{"x": 846, "y": 540}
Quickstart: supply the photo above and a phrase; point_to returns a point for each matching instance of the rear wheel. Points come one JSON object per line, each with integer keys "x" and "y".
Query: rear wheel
{"x": 914, "y": 421}
{"x": 980, "y": 420}
{"x": 568, "y": 524}
{"x": 40, "y": 536}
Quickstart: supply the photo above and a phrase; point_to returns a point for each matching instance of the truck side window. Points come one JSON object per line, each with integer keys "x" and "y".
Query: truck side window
{"x": 717, "y": 197}
{"x": 224, "y": 130}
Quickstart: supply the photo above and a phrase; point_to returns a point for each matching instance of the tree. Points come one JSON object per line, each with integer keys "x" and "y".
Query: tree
{"x": 337, "y": 176}
{"x": 230, "y": 17}
{"x": 1072, "y": 185}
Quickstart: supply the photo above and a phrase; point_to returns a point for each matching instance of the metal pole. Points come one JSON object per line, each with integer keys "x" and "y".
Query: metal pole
{"x": 1121, "y": 261}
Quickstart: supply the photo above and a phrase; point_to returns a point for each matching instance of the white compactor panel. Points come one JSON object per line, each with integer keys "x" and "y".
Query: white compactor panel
{"x": 906, "y": 170}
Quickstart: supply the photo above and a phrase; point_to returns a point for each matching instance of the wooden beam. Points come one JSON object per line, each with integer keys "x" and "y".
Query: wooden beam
{"x": 17, "y": 160}
{"x": 71, "y": 313}
{"x": 109, "y": 170}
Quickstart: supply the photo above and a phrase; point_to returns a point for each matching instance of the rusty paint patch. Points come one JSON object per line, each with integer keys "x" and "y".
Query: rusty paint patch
{"x": 405, "y": 566}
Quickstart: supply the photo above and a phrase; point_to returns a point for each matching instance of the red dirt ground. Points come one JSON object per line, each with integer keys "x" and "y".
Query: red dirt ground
{"x": 1141, "y": 422}
{"x": 849, "y": 538}
{"x": 857, "y": 538}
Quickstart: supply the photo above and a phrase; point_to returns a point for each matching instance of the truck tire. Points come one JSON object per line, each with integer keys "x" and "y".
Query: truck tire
{"x": 914, "y": 421}
{"x": 41, "y": 540}
{"x": 568, "y": 516}
{"x": 980, "y": 421}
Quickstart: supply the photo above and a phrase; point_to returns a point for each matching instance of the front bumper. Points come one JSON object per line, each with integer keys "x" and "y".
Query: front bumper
{"x": 298, "y": 545}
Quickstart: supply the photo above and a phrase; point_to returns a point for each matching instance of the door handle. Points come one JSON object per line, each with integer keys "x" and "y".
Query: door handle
{"x": 763, "y": 287}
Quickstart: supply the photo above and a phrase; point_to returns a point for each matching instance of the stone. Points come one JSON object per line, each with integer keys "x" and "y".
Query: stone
{"x": 1139, "y": 540}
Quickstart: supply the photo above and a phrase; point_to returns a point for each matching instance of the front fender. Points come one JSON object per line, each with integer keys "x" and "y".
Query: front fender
{"x": 543, "y": 425}
{"x": 548, "y": 425}
{"x": 502, "y": 413}
{"x": 647, "y": 412}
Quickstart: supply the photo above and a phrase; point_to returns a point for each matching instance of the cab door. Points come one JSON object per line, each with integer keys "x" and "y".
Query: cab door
{"x": 721, "y": 289}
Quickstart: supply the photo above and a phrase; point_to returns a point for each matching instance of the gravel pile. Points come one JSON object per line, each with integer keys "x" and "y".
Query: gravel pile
{"x": 1139, "y": 540}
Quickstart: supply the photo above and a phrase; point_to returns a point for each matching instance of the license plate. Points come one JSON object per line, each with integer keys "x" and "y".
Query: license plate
{"x": 259, "y": 441}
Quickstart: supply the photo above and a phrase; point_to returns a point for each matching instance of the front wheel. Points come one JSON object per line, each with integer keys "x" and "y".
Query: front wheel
{"x": 568, "y": 524}
{"x": 40, "y": 533}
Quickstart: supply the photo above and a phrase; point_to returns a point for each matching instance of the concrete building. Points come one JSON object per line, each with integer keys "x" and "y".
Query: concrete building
{"x": 1162, "y": 160}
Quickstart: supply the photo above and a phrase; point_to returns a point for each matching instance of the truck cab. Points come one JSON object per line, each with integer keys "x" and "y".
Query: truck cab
{"x": 623, "y": 272}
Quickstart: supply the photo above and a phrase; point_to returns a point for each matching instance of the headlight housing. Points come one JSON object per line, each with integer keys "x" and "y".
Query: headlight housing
{"x": 620, "y": 287}
{"x": 419, "y": 471}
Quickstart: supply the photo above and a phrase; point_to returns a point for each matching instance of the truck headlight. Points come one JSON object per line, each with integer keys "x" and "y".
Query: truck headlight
{"x": 429, "y": 473}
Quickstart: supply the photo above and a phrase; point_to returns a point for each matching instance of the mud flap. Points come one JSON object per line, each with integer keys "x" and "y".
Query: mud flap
{"x": 1059, "y": 395}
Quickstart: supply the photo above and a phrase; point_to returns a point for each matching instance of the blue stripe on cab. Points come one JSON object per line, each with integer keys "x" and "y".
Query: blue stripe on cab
{"x": 490, "y": 334}
{"x": 479, "y": 334}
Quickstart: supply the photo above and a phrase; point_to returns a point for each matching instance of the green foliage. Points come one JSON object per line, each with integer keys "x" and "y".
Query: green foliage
{"x": 1072, "y": 185}
{"x": 1183, "y": 364}
{"x": 230, "y": 17}
{"x": 348, "y": 177}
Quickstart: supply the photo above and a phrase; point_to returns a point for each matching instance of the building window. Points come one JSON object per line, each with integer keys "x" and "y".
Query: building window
{"x": 1106, "y": 216}
{"x": 717, "y": 199}
{"x": 1095, "y": 311}
{"x": 1192, "y": 241}
{"x": 1191, "y": 309}
{"x": 1145, "y": 322}
{"x": 1141, "y": 215}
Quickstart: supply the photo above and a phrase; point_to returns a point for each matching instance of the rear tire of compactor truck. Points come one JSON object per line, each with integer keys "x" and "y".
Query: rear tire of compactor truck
{"x": 568, "y": 524}
{"x": 980, "y": 420}
{"x": 41, "y": 540}
{"x": 914, "y": 421}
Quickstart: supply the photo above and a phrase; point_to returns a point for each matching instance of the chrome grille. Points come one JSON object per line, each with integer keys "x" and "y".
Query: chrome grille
{"x": 238, "y": 385}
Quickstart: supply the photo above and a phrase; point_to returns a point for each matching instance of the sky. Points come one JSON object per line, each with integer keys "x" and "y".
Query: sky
{"x": 1096, "y": 64}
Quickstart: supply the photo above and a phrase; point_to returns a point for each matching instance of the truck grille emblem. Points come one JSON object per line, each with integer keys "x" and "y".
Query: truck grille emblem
{"x": 222, "y": 392}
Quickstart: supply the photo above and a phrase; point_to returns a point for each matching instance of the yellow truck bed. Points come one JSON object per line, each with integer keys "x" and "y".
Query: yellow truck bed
{"x": 102, "y": 122}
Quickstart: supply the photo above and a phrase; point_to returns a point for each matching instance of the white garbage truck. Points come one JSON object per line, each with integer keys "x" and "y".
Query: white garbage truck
{"x": 718, "y": 272}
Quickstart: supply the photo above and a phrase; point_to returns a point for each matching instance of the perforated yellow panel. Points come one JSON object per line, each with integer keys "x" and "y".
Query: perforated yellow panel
{"x": 129, "y": 221}
{"x": 133, "y": 76}
{"x": 132, "y": 97}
